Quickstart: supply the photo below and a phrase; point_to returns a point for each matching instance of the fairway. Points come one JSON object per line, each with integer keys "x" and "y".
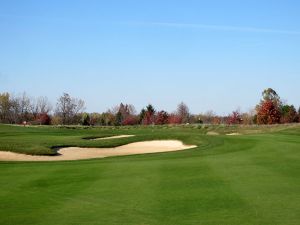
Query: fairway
{"x": 251, "y": 178}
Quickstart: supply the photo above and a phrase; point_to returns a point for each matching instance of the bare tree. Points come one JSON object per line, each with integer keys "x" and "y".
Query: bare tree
{"x": 25, "y": 105}
{"x": 5, "y": 107}
{"x": 43, "y": 105}
{"x": 14, "y": 110}
{"x": 208, "y": 117}
{"x": 183, "y": 112}
{"x": 68, "y": 108}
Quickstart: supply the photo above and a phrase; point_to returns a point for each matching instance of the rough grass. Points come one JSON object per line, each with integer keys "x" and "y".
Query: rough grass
{"x": 229, "y": 180}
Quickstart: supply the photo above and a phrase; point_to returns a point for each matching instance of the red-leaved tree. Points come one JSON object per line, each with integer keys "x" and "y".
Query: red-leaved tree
{"x": 43, "y": 119}
{"x": 234, "y": 118}
{"x": 161, "y": 117}
{"x": 130, "y": 120}
{"x": 268, "y": 112}
{"x": 175, "y": 119}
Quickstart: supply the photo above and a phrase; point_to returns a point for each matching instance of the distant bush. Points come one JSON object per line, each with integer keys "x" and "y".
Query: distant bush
{"x": 130, "y": 120}
{"x": 234, "y": 118}
{"x": 175, "y": 119}
{"x": 43, "y": 119}
{"x": 85, "y": 119}
{"x": 56, "y": 120}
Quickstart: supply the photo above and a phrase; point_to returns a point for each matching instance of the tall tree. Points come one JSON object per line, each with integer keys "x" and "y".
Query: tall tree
{"x": 235, "y": 118}
{"x": 269, "y": 109}
{"x": 124, "y": 113}
{"x": 268, "y": 112}
{"x": 271, "y": 95}
{"x": 68, "y": 108}
{"x": 119, "y": 119}
{"x": 288, "y": 114}
{"x": 183, "y": 112}
{"x": 42, "y": 105}
{"x": 162, "y": 117}
{"x": 149, "y": 116}
{"x": 5, "y": 107}
{"x": 26, "y": 106}
{"x": 142, "y": 115}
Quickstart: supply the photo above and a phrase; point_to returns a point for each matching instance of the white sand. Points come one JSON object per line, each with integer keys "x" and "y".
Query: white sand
{"x": 113, "y": 137}
{"x": 76, "y": 153}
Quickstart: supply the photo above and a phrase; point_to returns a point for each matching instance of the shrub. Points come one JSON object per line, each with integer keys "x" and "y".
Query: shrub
{"x": 85, "y": 119}
{"x": 175, "y": 119}
{"x": 130, "y": 120}
{"x": 43, "y": 119}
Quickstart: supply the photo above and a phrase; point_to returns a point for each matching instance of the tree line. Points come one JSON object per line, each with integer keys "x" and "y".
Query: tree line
{"x": 68, "y": 110}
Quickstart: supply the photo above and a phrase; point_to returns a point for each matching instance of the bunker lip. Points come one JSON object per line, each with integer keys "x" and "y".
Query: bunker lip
{"x": 233, "y": 134}
{"x": 212, "y": 133}
{"x": 111, "y": 137}
{"x": 77, "y": 153}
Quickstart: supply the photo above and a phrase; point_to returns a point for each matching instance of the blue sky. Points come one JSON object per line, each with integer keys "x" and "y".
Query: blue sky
{"x": 213, "y": 55}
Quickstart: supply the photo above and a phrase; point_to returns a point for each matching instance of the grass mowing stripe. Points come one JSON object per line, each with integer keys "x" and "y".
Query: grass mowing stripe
{"x": 229, "y": 180}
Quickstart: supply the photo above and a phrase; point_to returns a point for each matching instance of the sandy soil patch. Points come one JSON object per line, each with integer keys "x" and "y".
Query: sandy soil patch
{"x": 76, "y": 153}
{"x": 113, "y": 137}
{"x": 212, "y": 133}
{"x": 233, "y": 134}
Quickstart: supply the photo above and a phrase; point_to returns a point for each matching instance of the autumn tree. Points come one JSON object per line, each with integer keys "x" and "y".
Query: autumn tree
{"x": 175, "y": 119}
{"x": 124, "y": 114}
{"x": 96, "y": 119}
{"x": 149, "y": 115}
{"x": 288, "y": 114}
{"x": 235, "y": 118}
{"x": 268, "y": 111}
{"x": 43, "y": 119}
{"x": 162, "y": 117}
{"x": 131, "y": 120}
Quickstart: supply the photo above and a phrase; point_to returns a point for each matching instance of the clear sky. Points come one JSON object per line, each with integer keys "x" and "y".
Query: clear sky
{"x": 213, "y": 55}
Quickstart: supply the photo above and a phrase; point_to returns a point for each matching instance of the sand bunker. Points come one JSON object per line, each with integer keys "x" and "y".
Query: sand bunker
{"x": 113, "y": 137}
{"x": 233, "y": 134}
{"x": 76, "y": 153}
{"x": 212, "y": 133}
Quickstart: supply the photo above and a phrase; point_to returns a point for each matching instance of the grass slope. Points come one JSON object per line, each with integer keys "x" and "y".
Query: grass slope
{"x": 228, "y": 180}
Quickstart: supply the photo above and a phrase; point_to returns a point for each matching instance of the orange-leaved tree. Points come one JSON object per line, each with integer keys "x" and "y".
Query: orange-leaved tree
{"x": 268, "y": 111}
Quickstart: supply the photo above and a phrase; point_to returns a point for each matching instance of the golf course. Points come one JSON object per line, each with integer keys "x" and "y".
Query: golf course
{"x": 231, "y": 175}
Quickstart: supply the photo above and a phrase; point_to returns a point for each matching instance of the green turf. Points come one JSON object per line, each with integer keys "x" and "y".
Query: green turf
{"x": 248, "y": 179}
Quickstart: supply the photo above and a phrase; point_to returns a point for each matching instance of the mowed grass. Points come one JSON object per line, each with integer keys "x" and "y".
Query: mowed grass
{"x": 247, "y": 179}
